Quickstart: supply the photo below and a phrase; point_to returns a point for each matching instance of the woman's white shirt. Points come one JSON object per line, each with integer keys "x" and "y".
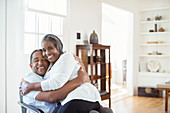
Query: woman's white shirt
{"x": 65, "y": 69}
{"x": 86, "y": 92}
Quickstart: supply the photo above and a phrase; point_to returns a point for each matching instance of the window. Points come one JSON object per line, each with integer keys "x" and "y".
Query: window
{"x": 36, "y": 26}
{"x": 41, "y": 20}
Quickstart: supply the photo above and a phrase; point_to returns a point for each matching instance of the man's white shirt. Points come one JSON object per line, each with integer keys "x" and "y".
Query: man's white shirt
{"x": 30, "y": 97}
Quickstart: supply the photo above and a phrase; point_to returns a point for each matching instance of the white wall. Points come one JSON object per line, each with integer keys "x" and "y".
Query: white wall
{"x": 129, "y": 5}
{"x": 84, "y": 17}
{"x": 133, "y": 7}
{"x": 116, "y": 24}
{"x": 147, "y": 4}
{"x": 17, "y": 63}
{"x": 2, "y": 56}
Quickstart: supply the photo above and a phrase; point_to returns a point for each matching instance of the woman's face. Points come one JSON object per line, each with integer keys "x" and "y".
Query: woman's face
{"x": 50, "y": 52}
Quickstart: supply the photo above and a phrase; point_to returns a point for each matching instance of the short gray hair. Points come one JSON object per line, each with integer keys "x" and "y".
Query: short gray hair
{"x": 55, "y": 40}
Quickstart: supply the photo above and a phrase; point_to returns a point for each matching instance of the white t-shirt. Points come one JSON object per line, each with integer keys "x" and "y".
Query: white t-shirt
{"x": 64, "y": 70}
{"x": 30, "y": 97}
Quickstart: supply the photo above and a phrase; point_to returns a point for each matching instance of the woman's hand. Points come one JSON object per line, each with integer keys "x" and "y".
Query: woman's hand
{"x": 25, "y": 87}
{"x": 83, "y": 76}
{"x": 80, "y": 62}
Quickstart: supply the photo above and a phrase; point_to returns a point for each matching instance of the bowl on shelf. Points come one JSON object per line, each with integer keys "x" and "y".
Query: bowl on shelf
{"x": 161, "y": 29}
{"x": 148, "y": 19}
{"x": 159, "y": 53}
{"x": 153, "y": 66}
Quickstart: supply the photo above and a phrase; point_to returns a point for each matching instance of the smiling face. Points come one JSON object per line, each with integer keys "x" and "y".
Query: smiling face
{"x": 39, "y": 64}
{"x": 50, "y": 52}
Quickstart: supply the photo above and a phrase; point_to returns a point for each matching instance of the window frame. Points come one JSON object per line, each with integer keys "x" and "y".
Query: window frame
{"x": 37, "y": 33}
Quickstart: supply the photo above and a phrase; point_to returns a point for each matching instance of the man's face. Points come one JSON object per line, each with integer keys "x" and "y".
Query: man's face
{"x": 39, "y": 63}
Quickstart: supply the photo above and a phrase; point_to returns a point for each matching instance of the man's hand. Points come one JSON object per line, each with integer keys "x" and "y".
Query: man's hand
{"x": 83, "y": 76}
{"x": 80, "y": 62}
{"x": 25, "y": 87}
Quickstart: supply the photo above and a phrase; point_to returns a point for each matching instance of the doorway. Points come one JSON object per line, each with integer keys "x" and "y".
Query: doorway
{"x": 117, "y": 31}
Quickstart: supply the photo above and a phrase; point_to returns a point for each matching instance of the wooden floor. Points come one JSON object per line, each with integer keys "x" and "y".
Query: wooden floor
{"x": 122, "y": 103}
{"x": 135, "y": 104}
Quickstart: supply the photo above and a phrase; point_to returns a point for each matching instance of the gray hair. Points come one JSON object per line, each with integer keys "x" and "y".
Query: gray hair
{"x": 55, "y": 40}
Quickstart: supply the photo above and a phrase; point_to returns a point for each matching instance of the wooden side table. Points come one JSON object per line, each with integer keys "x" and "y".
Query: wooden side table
{"x": 166, "y": 97}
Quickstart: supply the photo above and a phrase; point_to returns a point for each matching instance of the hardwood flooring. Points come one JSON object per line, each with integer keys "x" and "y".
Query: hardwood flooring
{"x": 122, "y": 103}
{"x": 136, "y": 104}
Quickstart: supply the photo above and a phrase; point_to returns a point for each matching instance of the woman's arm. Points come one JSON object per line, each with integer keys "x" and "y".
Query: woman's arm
{"x": 60, "y": 74}
{"x": 26, "y": 87}
{"x": 61, "y": 93}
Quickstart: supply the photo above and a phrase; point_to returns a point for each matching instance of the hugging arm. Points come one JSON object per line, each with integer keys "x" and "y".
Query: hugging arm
{"x": 61, "y": 93}
{"x": 60, "y": 73}
{"x": 59, "y": 78}
{"x": 26, "y": 87}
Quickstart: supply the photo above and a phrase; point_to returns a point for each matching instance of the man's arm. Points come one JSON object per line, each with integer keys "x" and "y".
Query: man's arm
{"x": 61, "y": 93}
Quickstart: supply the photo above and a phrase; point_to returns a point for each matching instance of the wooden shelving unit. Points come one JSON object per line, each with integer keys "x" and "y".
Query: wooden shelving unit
{"x": 96, "y": 59}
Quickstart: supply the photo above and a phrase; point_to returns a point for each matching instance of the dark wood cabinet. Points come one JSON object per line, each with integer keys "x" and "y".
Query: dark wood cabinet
{"x": 149, "y": 92}
{"x": 96, "y": 59}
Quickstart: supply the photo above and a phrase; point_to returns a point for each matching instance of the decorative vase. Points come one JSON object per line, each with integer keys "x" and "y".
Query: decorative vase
{"x": 158, "y": 17}
{"x": 93, "y": 38}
